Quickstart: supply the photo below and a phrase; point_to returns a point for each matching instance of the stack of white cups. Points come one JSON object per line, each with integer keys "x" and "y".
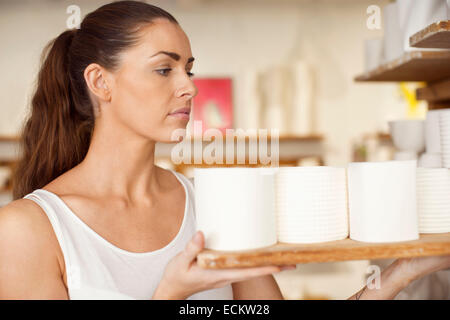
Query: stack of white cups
{"x": 444, "y": 127}
{"x": 311, "y": 204}
{"x": 433, "y": 190}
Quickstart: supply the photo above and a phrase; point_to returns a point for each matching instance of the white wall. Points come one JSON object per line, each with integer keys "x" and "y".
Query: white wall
{"x": 227, "y": 37}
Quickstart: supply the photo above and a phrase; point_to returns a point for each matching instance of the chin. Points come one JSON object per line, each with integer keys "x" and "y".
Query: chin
{"x": 177, "y": 134}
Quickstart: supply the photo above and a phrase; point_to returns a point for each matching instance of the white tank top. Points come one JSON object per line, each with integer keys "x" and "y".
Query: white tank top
{"x": 97, "y": 269}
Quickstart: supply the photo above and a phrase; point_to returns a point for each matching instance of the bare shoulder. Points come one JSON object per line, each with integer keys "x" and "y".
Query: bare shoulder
{"x": 24, "y": 227}
{"x": 24, "y": 217}
{"x": 30, "y": 265}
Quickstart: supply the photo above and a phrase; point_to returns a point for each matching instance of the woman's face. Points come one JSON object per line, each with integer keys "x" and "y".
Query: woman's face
{"x": 150, "y": 87}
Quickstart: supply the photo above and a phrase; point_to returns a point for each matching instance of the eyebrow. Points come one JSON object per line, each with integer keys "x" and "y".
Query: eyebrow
{"x": 173, "y": 55}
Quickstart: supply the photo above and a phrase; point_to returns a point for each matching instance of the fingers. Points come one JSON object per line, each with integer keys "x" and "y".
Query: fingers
{"x": 241, "y": 274}
{"x": 194, "y": 247}
{"x": 248, "y": 273}
{"x": 288, "y": 267}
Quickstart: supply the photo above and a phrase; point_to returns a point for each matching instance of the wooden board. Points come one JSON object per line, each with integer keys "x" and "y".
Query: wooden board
{"x": 342, "y": 250}
{"x": 436, "y": 35}
{"x": 412, "y": 66}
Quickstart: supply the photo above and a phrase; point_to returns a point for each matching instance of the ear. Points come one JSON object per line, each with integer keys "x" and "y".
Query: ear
{"x": 95, "y": 77}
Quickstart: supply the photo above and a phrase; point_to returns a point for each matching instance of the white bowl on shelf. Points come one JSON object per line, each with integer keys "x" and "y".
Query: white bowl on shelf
{"x": 408, "y": 135}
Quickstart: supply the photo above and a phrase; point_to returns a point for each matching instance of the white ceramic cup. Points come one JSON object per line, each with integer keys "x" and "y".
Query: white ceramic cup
{"x": 382, "y": 201}
{"x": 408, "y": 135}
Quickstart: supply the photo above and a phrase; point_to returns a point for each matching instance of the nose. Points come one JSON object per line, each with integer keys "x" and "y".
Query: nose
{"x": 188, "y": 89}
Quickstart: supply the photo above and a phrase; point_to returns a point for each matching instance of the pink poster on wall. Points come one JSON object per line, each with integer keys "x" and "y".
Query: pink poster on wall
{"x": 213, "y": 104}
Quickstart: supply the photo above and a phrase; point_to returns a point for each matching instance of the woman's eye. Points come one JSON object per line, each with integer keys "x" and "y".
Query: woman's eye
{"x": 164, "y": 72}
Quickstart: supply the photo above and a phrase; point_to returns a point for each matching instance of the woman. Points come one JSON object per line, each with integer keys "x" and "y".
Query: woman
{"x": 93, "y": 216}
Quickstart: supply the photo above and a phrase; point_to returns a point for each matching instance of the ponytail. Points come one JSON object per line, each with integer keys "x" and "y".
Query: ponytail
{"x": 55, "y": 138}
{"x": 58, "y": 132}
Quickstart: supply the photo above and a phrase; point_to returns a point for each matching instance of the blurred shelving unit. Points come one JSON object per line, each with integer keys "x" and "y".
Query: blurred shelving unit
{"x": 432, "y": 67}
{"x": 412, "y": 66}
{"x": 436, "y": 35}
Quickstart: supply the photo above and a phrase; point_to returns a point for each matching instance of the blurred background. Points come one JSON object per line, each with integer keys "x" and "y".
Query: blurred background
{"x": 285, "y": 64}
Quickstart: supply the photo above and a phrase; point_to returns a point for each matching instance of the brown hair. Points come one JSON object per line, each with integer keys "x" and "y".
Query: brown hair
{"x": 57, "y": 134}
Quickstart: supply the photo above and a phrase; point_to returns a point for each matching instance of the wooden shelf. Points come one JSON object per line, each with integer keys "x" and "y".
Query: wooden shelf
{"x": 9, "y": 138}
{"x": 412, "y": 66}
{"x": 436, "y": 35}
{"x": 436, "y": 91}
{"x": 342, "y": 250}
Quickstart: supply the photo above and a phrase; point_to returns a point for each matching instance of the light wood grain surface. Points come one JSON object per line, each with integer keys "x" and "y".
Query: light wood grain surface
{"x": 342, "y": 250}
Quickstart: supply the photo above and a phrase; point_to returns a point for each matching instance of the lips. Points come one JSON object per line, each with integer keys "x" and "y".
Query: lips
{"x": 185, "y": 110}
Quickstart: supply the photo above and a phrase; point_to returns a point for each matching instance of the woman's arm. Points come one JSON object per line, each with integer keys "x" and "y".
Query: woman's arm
{"x": 29, "y": 266}
{"x": 261, "y": 288}
{"x": 393, "y": 280}
{"x": 400, "y": 274}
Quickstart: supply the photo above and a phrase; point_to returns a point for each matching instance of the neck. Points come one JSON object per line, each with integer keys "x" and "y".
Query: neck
{"x": 120, "y": 163}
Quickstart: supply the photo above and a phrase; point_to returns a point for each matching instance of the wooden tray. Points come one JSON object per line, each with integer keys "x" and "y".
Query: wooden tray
{"x": 342, "y": 250}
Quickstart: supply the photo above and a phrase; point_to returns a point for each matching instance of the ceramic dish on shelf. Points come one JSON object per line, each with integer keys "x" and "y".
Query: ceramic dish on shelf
{"x": 408, "y": 135}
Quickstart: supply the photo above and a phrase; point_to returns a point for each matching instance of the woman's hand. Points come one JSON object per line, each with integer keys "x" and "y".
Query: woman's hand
{"x": 416, "y": 268}
{"x": 398, "y": 275}
{"x": 183, "y": 277}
